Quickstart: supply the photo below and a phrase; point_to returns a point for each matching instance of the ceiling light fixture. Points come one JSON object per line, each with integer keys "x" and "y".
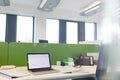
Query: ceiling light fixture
{"x": 4, "y": 2}
{"x": 91, "y": 9}
{"x": 42, "y": 3}
{"x": 48, "y": 5}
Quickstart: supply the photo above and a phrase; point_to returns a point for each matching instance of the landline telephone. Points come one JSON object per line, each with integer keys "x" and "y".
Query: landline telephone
{"x": 83, "y": 60}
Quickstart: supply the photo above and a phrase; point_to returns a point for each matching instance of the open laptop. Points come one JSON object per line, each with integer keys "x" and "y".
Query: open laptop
{"x": 39, "y": 63}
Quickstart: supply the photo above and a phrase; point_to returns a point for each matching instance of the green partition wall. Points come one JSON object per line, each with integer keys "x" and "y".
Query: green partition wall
{"x": 18, "y": 51}
{"x": 3, "y": 53}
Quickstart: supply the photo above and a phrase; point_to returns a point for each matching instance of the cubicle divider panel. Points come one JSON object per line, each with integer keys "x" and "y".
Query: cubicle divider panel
{"x": 18, "y": 51}
{"x": 3, "y": 53}
{"x": 60, "y": 51}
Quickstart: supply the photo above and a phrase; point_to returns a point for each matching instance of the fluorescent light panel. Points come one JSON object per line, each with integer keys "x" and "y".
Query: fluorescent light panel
{"x": 4, "y": 2}
{"x": 93, "y": 5}
{"x": 42, "y": 3}
{"x": 48, "y": 5}
{"x": 92, "y": 9}
{"x": 96, "y": 5}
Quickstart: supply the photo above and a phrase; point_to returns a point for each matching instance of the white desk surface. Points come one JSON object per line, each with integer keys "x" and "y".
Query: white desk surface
{"x": 86, "y": 71}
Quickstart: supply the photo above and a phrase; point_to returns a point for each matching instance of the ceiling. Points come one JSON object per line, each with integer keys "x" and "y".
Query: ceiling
{"x": 65, "y": 5}
{"x": 71, "y": 5}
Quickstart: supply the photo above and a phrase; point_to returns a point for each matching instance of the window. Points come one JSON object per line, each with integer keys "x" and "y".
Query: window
{"x": 24, "y": 29}
{"x": 89, "y": 31}
{"x": 67, "y": 31}
{"x": 2, "y": 27}
{"x": 72, "y": 33}
{"x": 52, "y": 30}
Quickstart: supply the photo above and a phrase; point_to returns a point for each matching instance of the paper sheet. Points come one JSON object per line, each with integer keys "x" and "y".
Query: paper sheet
{"x": 13, "y": 73}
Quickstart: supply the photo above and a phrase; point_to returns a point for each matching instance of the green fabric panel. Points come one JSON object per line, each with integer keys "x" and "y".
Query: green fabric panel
{"x": 3, "y": 53}
{"x": 18, "y": 51}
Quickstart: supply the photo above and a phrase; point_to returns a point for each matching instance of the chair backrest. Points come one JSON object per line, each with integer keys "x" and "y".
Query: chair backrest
{"x": 101, "y": 65}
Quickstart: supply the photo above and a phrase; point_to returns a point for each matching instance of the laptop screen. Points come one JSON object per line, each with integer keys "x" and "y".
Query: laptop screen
{"x": 38, "y": 61}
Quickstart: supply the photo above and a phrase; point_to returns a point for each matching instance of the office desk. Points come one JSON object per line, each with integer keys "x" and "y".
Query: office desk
{"x": 90, "y": 71}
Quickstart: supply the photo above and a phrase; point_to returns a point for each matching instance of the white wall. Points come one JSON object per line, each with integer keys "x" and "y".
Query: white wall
{"x": 40, "y": 17}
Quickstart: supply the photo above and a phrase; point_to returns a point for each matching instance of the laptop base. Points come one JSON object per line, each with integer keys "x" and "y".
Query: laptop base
{"x": 44, "y": 72}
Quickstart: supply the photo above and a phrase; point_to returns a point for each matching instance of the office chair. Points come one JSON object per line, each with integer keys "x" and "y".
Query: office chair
{"x": 102, "y": 63}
